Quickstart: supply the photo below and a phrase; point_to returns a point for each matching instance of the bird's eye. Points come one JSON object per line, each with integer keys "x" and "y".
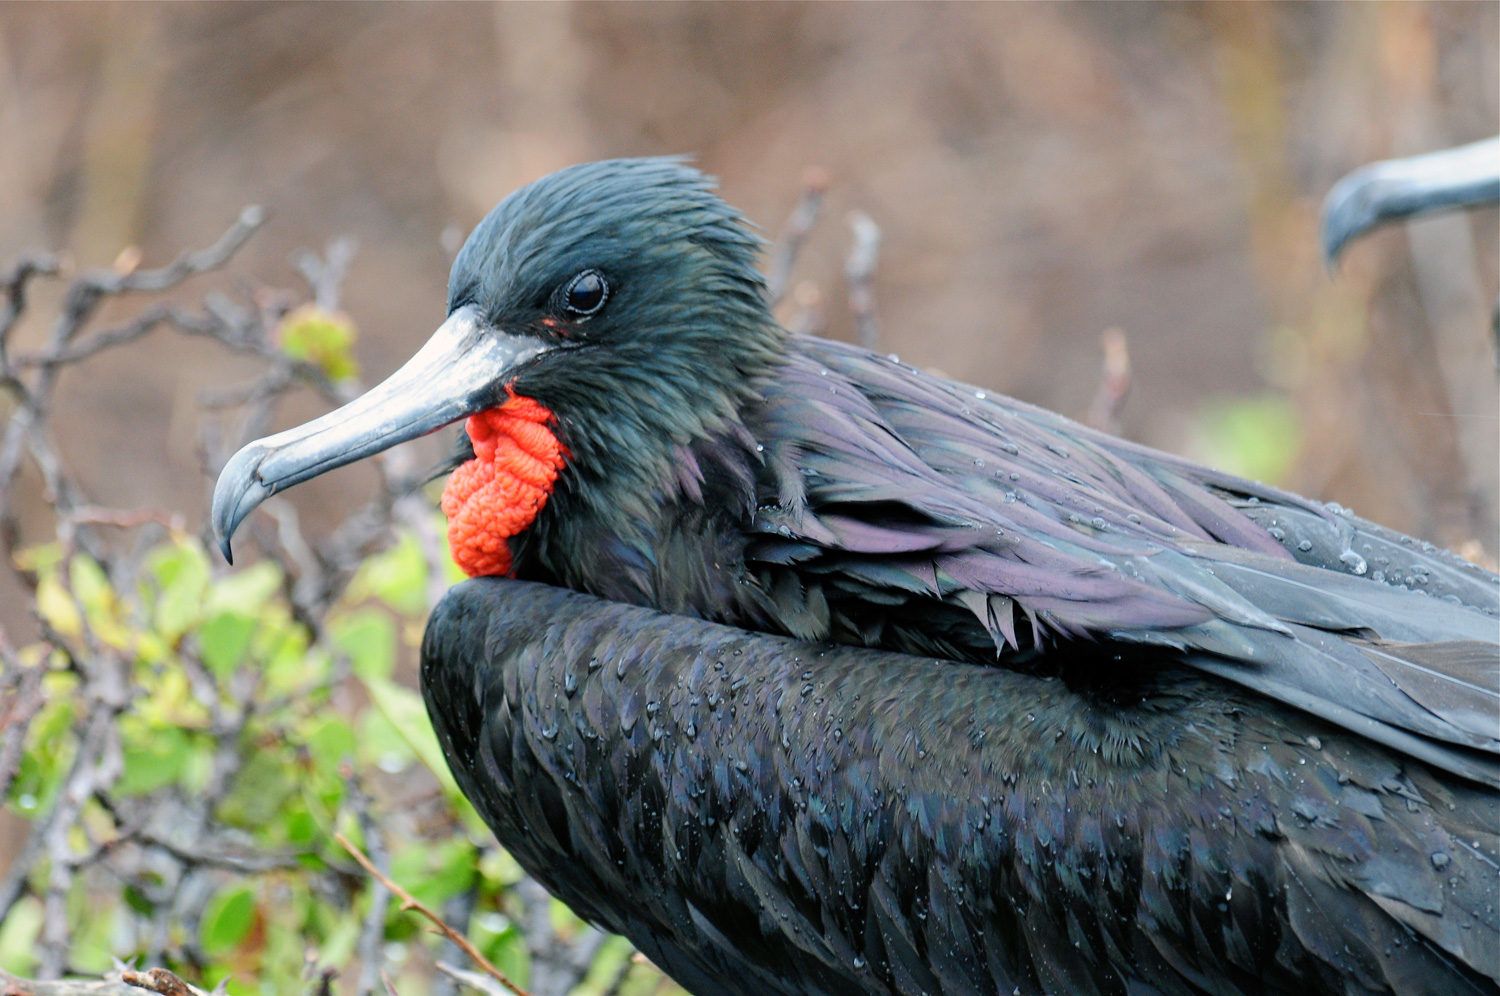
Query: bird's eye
{"x": 586, "y": 293}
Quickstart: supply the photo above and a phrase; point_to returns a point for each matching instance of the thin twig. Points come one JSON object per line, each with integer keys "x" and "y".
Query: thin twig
{"x": 1114, "y": 382}
{"x": 859, "y": 273}
{"x": 410, "y": 903}
{"x": 799, "y": 225}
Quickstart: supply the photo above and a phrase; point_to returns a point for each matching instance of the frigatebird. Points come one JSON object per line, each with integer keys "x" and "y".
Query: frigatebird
{"x": 813, "y": 673}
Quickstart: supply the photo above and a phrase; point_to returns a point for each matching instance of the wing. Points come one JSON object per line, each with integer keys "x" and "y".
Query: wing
{"x": 908, "y": 511}
{"x": 765, "y": 816}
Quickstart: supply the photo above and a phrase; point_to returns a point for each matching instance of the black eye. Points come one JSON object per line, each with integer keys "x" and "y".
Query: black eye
{"x": 586, "y": 293}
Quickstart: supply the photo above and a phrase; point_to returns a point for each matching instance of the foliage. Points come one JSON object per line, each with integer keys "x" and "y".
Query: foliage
{"x": 181, "y": 741}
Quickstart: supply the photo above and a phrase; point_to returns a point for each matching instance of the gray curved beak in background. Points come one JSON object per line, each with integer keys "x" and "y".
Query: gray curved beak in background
{"x": 461, "y": 370}
{"x": 1401, "y": 188}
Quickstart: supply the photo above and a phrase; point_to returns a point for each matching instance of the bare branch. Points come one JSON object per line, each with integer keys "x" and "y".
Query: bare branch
{"x": 1114, "y": 382}
{"x": 325, "y": 275}
{"x": 799, "y": 225}
{"x": 409, "y": 903}
{"x": 859, "y": 273}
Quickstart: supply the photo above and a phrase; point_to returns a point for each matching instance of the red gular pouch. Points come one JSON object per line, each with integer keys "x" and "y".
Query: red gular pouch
{"x": 497, "y": 494}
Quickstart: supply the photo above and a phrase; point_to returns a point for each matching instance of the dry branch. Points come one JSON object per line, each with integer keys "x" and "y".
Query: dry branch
{"x": 410, "y": 903}
{"x": 799, "y": 225}
{"x": 859, "y": 273}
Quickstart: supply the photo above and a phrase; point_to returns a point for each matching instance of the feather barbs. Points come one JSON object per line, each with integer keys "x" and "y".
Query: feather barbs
{"x": 500, "y": 492}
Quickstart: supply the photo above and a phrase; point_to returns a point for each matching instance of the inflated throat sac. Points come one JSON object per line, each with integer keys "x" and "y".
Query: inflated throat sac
{"x": 497, "y": 494}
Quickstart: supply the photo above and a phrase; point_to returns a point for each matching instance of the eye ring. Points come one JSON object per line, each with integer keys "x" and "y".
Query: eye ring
{"x": 586, "y": 293}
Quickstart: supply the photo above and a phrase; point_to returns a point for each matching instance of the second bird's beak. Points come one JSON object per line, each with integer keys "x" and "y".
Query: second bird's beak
{"x": 463, "y": 369}
{"x": 1401, "y": 188}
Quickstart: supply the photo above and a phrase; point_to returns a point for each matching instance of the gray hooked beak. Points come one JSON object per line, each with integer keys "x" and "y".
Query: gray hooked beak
{"x": 461, "y": 370}
{"x": 1399, "y": 188}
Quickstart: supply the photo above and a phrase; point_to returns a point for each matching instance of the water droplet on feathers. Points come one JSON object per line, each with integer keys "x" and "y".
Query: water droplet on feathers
{"x": 980, "y": 395}
{"x": 1440, "y": 860}
{"x": 1353, "y": 561}
{"x": 570, "y": 683}
{"x": 1010, "y": 448}
{"x": 1305, "y": 545}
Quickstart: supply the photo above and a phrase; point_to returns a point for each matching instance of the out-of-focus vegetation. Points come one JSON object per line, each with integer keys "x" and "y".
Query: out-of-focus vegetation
{"x": 183, "y": 741}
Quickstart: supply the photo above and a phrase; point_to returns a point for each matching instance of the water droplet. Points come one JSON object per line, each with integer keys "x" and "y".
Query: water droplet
{"x": 1353, "y": 561}
{"x": 1277, "y": 533}
{"x": 759, "y": 448}
{"x": 1060, "y": 451}
{"x": 570, "y": 682}
{"x": 978, "y": 461}
{"x": 1315, "y": 743}
{"x": 1133, "y": 518}
{"x": 1378, "y": 576}
{"x": 859, "y": 962}
{"x": 1010, "y": 448}
{"x": 980, "y": 395}
{"x": 593, "y": 663}
{"x": 893, "y": 357}
{"x": 1099, "y": 523}
{"x": 1305, "y": 545}
{"x": 1440, "y": 860}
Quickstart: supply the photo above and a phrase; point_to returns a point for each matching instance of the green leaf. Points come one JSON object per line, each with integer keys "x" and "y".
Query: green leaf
{"x": 369, "y": 638}
{"x": 381, "y": 744}
{"x": 57, "y": 608}
{"x": 403, "y": 708}
{"x": 227, "y": 918}
{"x": 18, "y": 934}
{"x": 398, "y": 577}
{"x": 90, "y": 585}
{"x": 154, "y": 756}
{"x": 1256, "y": 437}
{"x": 224, "y": 639}
{"x": 180, "y": 570}
{"x": 329, "y": 743}
{"x": 322, "y": 338}
{"x": 245, "y": 590}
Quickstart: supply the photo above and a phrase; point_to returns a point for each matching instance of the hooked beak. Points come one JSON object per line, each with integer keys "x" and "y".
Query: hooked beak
{"x": 461, "y": 370}
{"x": 1399, "y": 188}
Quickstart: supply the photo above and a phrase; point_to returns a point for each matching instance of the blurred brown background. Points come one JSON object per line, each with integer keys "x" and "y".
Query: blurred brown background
{"x": 1040, "y": 172}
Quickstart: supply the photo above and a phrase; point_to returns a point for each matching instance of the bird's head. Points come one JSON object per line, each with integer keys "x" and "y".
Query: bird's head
{"x": 599, "y": 320}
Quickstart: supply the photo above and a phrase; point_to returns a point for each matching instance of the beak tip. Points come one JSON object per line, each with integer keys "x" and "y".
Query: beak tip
{"x": 238, "y": 491}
